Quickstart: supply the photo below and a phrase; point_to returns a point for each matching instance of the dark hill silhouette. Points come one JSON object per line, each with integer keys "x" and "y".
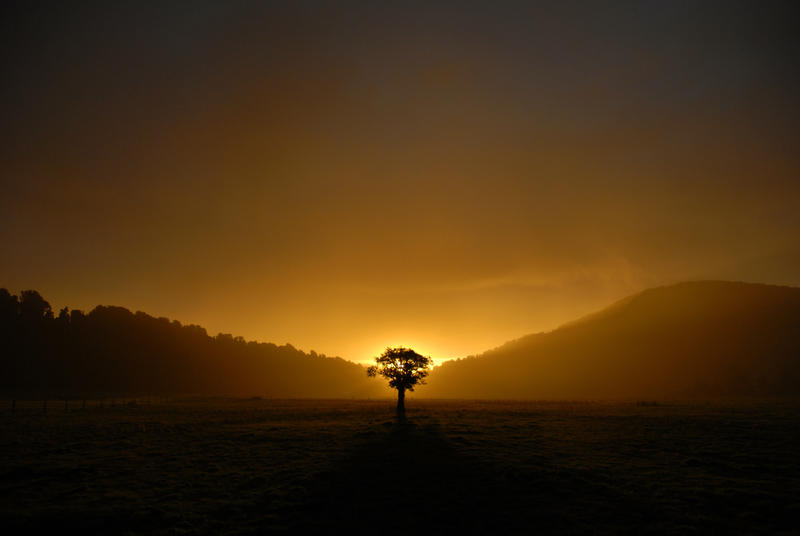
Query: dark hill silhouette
{"x": 696, "y": 339}
{"x": 112, "y": 351}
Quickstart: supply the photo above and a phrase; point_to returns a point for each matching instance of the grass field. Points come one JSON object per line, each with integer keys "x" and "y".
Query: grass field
{"x": 262, "y": 466}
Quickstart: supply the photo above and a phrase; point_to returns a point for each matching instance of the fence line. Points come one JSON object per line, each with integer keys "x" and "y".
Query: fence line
{"x": 46, "y": 404}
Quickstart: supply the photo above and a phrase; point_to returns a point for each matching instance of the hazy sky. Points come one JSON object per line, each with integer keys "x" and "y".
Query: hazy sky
{"x": 350, "y": 175}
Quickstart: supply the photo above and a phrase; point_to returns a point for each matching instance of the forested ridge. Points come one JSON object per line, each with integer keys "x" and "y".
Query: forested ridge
{"x": 113, "y": 351}
{"x": 698, "y": 339}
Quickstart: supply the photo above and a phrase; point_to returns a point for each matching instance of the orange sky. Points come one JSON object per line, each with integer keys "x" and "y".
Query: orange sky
{"x": 348, "y": 177}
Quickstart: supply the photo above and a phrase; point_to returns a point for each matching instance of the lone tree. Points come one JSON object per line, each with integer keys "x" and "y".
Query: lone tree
{"x": 404, "y": 368}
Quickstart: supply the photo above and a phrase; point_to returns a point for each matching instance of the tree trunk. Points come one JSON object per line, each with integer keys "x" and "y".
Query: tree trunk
{"x": 401, "y": 402}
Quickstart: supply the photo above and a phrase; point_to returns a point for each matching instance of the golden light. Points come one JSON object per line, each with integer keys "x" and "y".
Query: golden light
{"x": 375, "y": 346}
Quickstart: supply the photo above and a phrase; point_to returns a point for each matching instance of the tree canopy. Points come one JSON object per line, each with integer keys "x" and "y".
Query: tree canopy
{"x": 404, "y": 368}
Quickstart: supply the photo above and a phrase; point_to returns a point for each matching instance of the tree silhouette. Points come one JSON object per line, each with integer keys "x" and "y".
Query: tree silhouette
{"x": 404, "y": 368}
{"x": 33, "y": 307}
{"x": 111, "y": 351}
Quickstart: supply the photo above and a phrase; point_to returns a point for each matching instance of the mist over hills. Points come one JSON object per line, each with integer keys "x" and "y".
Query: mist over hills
{"x": 694, "y": 339}
{"x": 112, "y": 351}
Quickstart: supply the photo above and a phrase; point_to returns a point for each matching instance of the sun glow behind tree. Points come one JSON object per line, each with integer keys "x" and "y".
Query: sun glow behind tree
{"x": 404, "y": 368}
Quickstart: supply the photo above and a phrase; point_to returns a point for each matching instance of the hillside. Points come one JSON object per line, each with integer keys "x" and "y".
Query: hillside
{"x": 112, "y": 351}
{"x": 696, "y": 339}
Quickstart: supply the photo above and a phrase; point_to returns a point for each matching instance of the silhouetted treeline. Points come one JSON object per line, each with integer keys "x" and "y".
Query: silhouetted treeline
{"x": 696, "y": 339}
{"x": 114, "y": 351}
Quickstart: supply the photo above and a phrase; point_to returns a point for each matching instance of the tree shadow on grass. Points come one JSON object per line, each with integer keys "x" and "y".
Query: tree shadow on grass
{"x": 407, "y": 480}
{"x": 410, "y": 479}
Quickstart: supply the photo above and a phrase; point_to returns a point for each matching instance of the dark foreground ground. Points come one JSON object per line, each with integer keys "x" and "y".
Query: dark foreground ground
{"x": 253, "y": 466}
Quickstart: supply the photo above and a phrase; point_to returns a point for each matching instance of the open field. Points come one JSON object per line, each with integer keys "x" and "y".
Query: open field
{"x": 253, "y": 466}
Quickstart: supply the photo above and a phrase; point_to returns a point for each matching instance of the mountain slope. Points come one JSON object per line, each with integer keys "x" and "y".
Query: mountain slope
{"x": 706, "y": 338}
{"x": 112, "y": 351}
